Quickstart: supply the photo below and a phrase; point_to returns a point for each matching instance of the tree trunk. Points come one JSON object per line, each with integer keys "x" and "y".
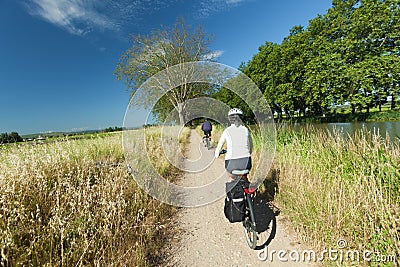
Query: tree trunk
{"x": 181, "y": 108}
{"x": 393, "y": 103}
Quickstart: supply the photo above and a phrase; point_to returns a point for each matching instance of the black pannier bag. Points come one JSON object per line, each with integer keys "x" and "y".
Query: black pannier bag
{"x": 234, "y": 208}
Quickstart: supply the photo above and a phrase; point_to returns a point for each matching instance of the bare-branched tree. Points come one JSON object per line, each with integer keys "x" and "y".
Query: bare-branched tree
{"x": 158, "y": 51}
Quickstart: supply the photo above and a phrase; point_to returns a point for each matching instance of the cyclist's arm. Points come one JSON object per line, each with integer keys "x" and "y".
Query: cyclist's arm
{"x": 220, "y": 144}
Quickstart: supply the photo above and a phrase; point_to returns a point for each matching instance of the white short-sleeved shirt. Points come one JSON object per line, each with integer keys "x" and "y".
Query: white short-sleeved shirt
{"x": 238, "y": 142}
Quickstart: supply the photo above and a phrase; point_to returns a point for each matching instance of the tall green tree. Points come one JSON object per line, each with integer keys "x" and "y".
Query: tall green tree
{"x": 349, "y": 55}
{"x": 157, "y": 51}
{"x": 264, "y": 69}
{"x": 295, "y": 57}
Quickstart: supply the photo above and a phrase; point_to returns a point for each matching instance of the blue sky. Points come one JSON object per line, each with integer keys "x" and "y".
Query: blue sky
{"x": 57, "y": 57}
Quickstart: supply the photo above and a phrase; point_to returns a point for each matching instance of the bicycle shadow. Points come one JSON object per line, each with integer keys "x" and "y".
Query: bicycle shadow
{"x": 266, "y": 212}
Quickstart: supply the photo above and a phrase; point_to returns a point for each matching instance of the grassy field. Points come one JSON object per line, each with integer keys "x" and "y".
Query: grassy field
{"x": 73, "y": 203}
{"x": 334, "y": 187}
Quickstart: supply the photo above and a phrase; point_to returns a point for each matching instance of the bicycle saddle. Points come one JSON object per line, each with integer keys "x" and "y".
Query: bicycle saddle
{"x": 240, "y": 172}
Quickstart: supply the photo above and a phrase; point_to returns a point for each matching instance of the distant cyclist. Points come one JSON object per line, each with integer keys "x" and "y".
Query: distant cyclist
{"x": 238, "y": 142}
{"x": 206, "y": 127}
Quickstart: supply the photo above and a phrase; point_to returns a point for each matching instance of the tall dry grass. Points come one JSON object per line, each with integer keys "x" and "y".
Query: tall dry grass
{"x": 334, "y": 186}
{"x": 73, "y": 203}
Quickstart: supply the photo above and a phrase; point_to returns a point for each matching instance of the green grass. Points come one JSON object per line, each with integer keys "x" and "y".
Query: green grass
{"x": 388, "y": 115}
{"x": 336, "y": 187}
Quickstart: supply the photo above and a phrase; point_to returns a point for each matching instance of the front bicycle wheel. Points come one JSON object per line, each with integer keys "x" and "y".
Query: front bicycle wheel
{"x": 250, "y": 224}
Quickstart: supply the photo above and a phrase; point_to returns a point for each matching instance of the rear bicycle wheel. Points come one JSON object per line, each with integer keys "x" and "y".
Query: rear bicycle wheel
{"x": 207, "y": 142}
{"x": 250, "y": 224}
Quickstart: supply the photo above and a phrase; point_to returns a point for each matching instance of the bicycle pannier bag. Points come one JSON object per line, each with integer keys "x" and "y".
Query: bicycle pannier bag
{"x": 234, "y": 208}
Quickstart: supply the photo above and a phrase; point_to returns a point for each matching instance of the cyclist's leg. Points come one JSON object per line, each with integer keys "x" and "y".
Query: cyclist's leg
{"x": 229, "y": 171}
{"x": 231, "y": 177}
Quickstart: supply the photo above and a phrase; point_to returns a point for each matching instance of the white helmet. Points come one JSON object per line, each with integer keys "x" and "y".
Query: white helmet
{"x": 235, "y": 111}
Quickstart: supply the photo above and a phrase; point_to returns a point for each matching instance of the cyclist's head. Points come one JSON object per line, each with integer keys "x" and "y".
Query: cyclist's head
{"x": 235, "y": 116}
{"x": 235, "y": 111}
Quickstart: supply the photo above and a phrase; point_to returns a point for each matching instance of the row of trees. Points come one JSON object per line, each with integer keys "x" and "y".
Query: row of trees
{"x": 348, "y": 56}
{"x": 112, "y": 129}
{"x": 12, "y": 137}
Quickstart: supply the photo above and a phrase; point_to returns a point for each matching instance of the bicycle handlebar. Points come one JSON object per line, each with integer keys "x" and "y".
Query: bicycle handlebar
{"x": 223, "y": 151}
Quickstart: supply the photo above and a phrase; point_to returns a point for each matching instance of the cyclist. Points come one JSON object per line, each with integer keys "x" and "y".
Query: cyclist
{"x": 206, "y": 127}
{"x": 238, "y": 142}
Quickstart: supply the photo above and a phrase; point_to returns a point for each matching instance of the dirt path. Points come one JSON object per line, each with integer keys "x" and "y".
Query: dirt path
{"x": 208, "y": 239}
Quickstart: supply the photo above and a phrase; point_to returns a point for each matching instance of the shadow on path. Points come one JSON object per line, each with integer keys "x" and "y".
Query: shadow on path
{"x": 266, "y": 212}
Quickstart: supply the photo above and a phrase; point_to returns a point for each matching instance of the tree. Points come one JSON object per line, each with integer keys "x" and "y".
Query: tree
{"x": 264, "y": 69}
{"x": 350, "y": 55}
{"x": 13, "y": 137}
{"x": 158, "y": 51}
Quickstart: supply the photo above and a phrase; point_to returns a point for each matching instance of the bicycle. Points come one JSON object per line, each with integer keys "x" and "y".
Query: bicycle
{"x": 207, "y": 141}
{"x": 249, "y": 222}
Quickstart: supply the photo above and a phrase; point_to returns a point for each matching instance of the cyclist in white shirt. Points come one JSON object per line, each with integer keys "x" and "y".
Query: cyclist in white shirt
{"x": 238, "y": 142}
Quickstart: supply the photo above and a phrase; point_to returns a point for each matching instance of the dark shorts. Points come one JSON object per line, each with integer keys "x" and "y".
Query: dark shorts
{"x": 207, "y": 133}
{"x": 238, "y": 164}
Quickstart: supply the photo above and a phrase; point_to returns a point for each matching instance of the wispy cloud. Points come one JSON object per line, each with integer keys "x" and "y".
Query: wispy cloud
{"x": 76, "y": 16}
{"x": 81, "y": 17}
{"x": 213, "y": 55}
{"x": 234, "y": 2}
{"x": 209, "y": 7}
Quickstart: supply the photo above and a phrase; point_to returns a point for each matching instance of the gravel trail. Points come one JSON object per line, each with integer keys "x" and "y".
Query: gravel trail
{"x": 207, "y": 238}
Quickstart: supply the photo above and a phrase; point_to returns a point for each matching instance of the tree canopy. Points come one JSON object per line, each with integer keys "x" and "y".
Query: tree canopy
{"x": 348, "y": 56}
{"x": 12, "y": 137}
